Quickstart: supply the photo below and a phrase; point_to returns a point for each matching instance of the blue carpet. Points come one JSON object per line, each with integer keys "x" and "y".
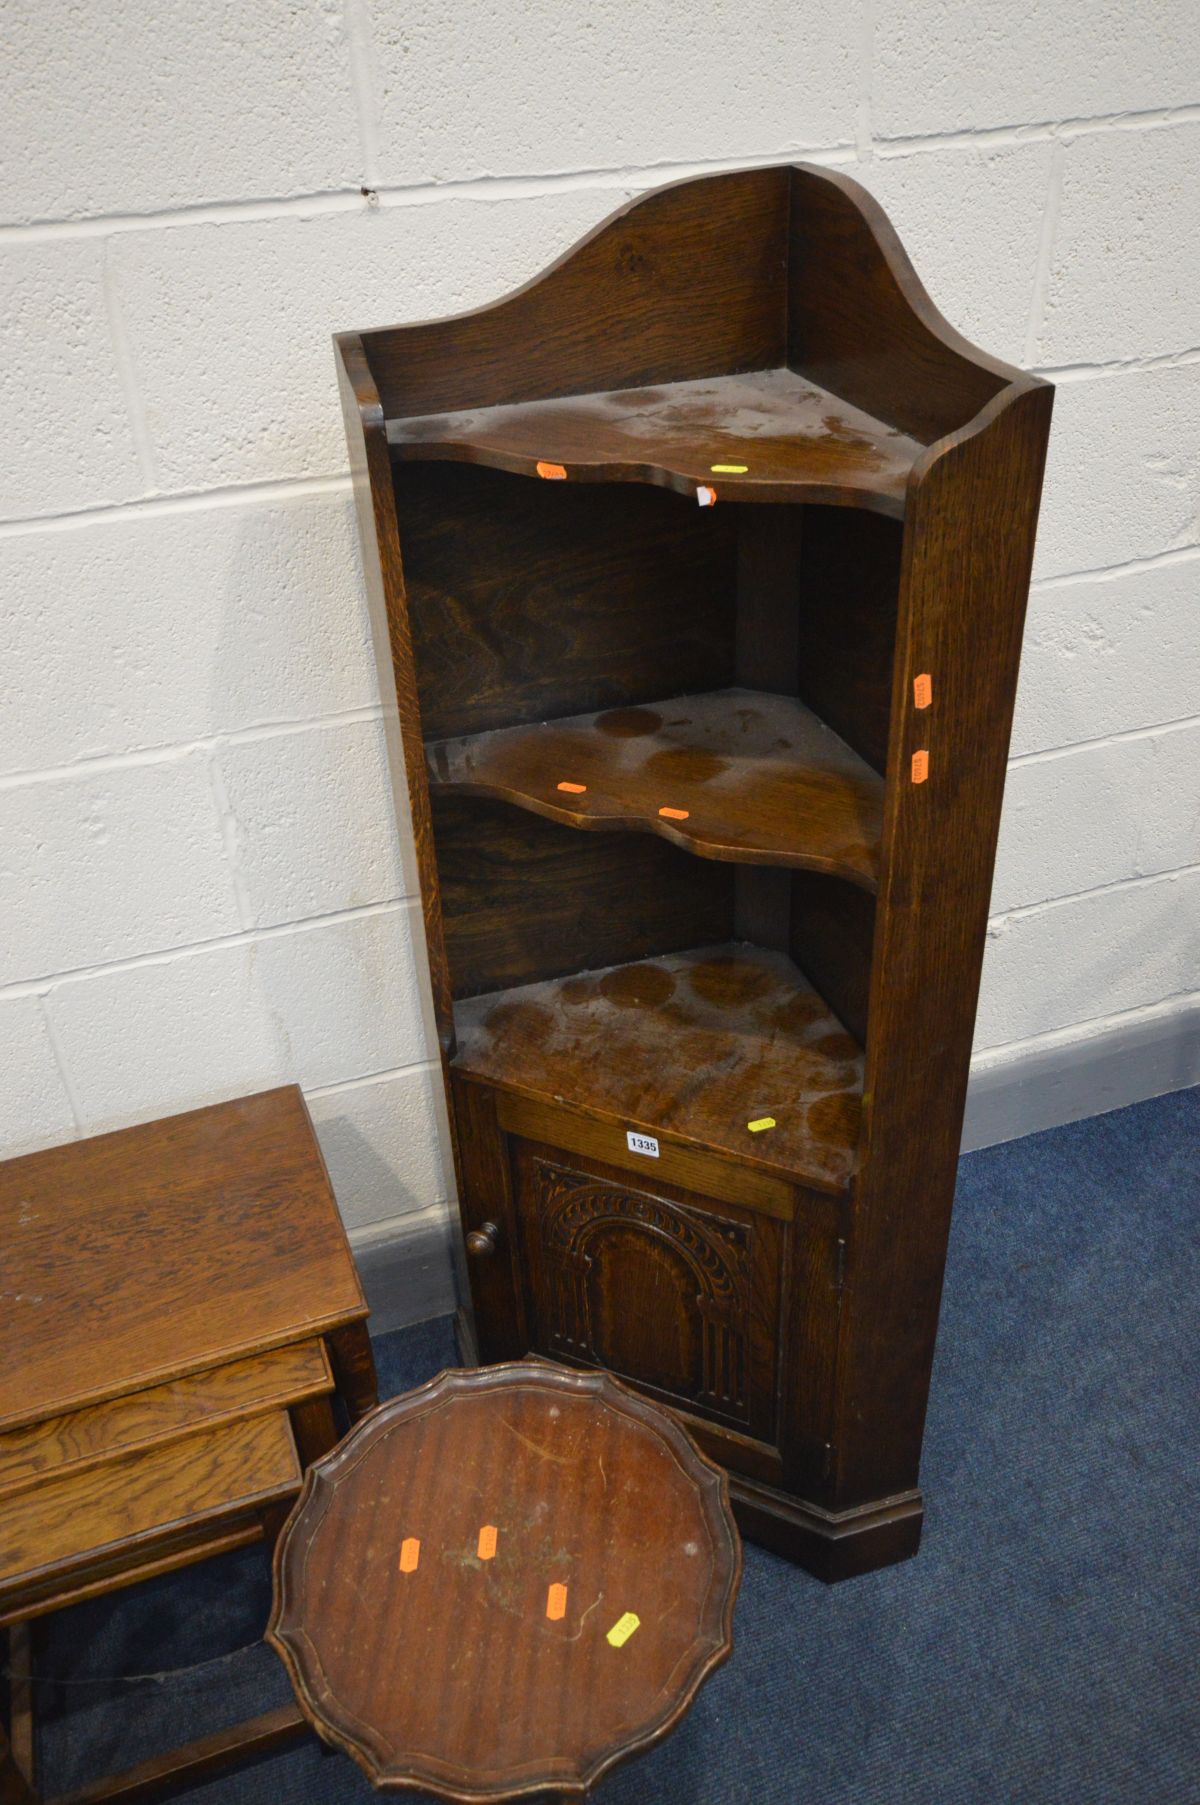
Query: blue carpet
{"x": 1043, "y": 1645}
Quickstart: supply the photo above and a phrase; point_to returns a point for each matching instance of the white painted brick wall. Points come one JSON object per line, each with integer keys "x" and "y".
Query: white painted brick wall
{"x": 202, "y": 889}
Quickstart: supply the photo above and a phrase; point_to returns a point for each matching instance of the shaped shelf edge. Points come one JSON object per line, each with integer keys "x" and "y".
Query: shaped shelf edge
{"x": 734, "y": 775}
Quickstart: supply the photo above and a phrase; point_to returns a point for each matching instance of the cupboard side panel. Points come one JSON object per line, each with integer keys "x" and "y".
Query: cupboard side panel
{"x": 383, "y": 574}
{"x": 383, "y": 571}
{"x": 964, "y": 586}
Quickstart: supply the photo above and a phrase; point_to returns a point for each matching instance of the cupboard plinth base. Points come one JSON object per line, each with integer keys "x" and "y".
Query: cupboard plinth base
{"x": 832, "y": 1545}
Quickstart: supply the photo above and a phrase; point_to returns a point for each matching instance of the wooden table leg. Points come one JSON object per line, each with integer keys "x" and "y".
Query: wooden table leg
{"x": 354, "y": 1368}
{"x": 314, "y": 1429}
{"x": 20, "y": 1748}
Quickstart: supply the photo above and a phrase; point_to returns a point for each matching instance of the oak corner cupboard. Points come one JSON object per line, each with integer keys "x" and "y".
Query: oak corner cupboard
{"x": 701, "y": 565}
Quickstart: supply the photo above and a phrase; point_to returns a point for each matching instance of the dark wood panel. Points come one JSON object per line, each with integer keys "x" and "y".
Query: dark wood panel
{"x": 768, "y": 599}
{"x": 683, "y": 283}
{"x": 533, "y": 600}
{"x": 968, "y": 559}
{"x": 767, "y": 436}
{"x": 831, "y": 931}
{"x": 391, "y": 634}
{"x": 676, "y": 1292}
{"x": 697, "y": 1045}
{"x": 559, "y": 1127}
{"x": 526, "y": 899}
{"x": 490, "y": 1224}
{"x": 846, "y": 625}
{"x": 735, "y": 774}
{"x": 861, "y": 323}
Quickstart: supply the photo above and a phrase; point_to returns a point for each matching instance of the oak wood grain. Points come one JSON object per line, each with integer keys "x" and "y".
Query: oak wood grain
{"x": 128, "y": 1502}
{"x": 675, "y": 1292}
{"x": 525, "y": 898}
{"x": 676, "y": 1162}
{"x": 683, "y": 283}
{"x": 968, "y": 558}
{"x": 694, "y": 1045}
{"x": 121, "y": 1567}
{"x": 194, "y": 1240}
{"x": 574, "y": 598}
{"x": 270, "y": 1381}
{"x": 736, "y": 774}
{"x": 766, "y": 436}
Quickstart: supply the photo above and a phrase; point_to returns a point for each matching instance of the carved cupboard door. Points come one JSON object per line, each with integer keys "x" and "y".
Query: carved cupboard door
{"x": 674, "y": 1292}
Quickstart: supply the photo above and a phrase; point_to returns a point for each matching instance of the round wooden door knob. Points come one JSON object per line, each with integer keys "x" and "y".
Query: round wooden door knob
{"x": 483, "y": 1241}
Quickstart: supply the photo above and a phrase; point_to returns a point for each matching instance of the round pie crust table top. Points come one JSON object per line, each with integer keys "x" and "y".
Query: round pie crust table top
{"x": 505, "y": 1582}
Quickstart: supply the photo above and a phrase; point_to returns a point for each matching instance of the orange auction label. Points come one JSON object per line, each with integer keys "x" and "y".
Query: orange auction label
{"x": 554, "y": 473}
{"x": 920, "y": 766}
{"x": 922, "y": 690}
{"x": 556, "y": 1602}
{"x": 574, "y": 789}
{"x": 487, "y": 1542}
{"x": 675, "y": 814}
{"x": 410, "y": 1554}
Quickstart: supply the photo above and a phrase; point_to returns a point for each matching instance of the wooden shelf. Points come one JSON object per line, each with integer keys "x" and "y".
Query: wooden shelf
{"x": 694, "y": 1045}
{"x": 797, "y": 441}
{"x": 747, "y": 777}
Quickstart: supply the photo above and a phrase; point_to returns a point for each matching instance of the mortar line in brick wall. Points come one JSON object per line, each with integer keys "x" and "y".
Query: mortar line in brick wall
{"x": 1032, "y": 131}
{"x": 430, "y": 1067}
{"x": 127, "y": 371}
{"x": 60, "y": 1061}
{"x": 1179, "y": 554}
{"x": 184, "y": 501}
{"x": 1041, "y": 278}
{"x": 1093, "y": 1027}
{"x": 536, "y": 186}
{"x": 1157, "y": 728}
{"x": 46, "y": 983}
{"x": 363, "y": 78}
{"x": 174, "y": 751}
{"x": 544, "y": 182}
{"x": 864, "y": 135}
{"x": 1125, "y": 366}
{"x": 997, "y": 924}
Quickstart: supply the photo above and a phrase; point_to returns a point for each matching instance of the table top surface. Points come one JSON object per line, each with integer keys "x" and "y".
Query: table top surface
{"x": 505, "y": 1582}
{"x": 133, "y": 1257}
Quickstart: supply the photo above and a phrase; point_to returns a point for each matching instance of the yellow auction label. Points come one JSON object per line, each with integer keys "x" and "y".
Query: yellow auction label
{"x": 762, "y": 1122}
{"x": 622, "y": 1629}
